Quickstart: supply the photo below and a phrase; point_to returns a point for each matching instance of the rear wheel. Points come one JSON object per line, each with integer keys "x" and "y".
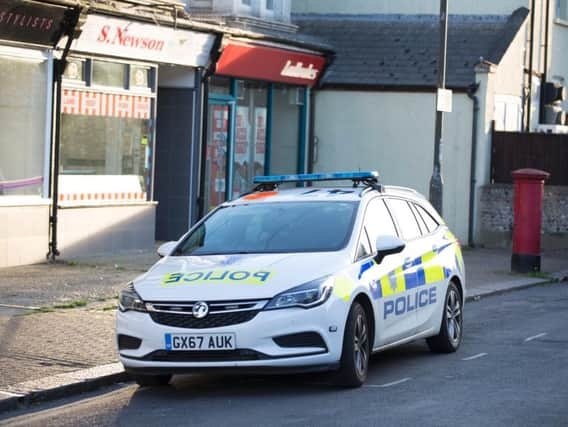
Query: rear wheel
{"x": 356, "y": 349}
{"x": 152, "y": 380}
{"x": 451, "y": 330}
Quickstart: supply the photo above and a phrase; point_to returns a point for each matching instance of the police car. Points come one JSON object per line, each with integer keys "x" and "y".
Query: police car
{"x": 299, "y": 279}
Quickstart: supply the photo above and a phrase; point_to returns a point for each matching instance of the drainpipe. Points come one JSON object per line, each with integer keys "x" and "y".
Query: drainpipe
{"x": 545, "y": 67}
{"x": 71, "y": 31}
{"x": 471, "y": 90}
{"x": 531, "y": 56}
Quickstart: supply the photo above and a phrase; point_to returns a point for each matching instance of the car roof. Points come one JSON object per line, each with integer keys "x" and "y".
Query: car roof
{"x": 328, "y": 193}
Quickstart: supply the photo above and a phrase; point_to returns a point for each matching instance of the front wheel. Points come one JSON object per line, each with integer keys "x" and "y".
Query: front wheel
{"x": 356, "y": 349}
{"x": 451, "y": 330}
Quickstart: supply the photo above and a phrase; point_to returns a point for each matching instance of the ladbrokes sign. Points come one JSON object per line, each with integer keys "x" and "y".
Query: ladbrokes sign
{"x": 31, "y": 22}
{"x": 271, "y": 64}
{"x": 136, "y": 40}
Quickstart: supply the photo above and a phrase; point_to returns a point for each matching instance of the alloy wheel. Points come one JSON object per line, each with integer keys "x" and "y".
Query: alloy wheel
{"x": 454, "y": 316}
{"x": 361, "y": 345}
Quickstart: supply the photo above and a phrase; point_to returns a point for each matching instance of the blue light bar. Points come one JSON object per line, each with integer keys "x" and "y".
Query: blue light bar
{"x": 338, "y": 176}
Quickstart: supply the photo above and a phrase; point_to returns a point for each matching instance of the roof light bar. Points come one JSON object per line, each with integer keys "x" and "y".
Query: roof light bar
{"x": 338, "y": 176}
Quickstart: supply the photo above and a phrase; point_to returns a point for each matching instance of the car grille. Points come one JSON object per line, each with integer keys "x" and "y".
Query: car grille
{"x": 221, "y": 314}
{"x": 205, "y": 356}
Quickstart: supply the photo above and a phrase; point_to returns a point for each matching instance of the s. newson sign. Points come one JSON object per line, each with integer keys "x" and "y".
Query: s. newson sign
{"x": 271, "y": 64}
{"x": 148, "y": 42}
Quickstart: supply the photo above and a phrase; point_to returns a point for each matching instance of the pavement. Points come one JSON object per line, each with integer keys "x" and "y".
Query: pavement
{"x": 57, "y": 319}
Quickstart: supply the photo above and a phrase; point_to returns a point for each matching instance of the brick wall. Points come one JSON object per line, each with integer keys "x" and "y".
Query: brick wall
{"x": 496, "y": 211}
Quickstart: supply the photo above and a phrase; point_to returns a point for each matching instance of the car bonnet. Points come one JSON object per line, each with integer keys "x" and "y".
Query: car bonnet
{"x": 234, "y": 277}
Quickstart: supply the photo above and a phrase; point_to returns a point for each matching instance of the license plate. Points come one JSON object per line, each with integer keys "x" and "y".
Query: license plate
{"x": 203, "y": 342}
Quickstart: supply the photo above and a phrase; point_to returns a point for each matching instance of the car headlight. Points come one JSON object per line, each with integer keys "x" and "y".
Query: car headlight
{"x": 130, "y": 300}
{"x": 308, "y": 295}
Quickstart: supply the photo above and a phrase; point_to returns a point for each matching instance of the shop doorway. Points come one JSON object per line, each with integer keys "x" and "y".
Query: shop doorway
{"x": 220, "y": 153}
{"x": 174, "y": 142}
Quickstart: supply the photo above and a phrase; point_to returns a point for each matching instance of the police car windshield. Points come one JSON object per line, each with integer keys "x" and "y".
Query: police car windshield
{"x": 281, "y": 227}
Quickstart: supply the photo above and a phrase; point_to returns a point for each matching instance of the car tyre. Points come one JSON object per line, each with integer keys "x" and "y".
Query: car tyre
{"x": 152, "y": 380}
{"x": 356, "y": 351}
{"x": 451, "y": 329}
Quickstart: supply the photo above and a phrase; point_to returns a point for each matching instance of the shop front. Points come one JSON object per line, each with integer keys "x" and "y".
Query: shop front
{"x": 28, "y": 33}
{"x": 257, "y": 118}
{"x": 110, "y": 112}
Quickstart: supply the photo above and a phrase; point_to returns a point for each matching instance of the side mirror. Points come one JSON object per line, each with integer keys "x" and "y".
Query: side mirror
{"x": 166, "y": 248}
{"x": 388, "y": 245}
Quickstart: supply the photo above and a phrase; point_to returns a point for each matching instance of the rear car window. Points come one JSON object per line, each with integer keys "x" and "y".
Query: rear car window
{"x": 431, "y": 223}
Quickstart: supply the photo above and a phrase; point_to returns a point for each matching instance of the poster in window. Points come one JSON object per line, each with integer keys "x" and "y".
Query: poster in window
{"x": 259, "y": 139}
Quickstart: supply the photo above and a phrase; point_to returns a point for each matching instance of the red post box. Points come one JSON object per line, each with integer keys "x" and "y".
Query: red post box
{"x": 529, "y": 194}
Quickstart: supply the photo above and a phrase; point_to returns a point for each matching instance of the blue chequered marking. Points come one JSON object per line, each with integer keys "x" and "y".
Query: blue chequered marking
{"x": 364, "y": 267}
{"x": 412, "y": 281}
{"x": 376, "y": 290}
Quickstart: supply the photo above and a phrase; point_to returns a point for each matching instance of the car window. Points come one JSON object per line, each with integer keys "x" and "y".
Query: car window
{"x": 273, "y": 228}
{"x": 405, "y": 218}
{"x": 364, "y": 249}
{"x": 431, "y": 223}
{"x": 378, "y": 221}
{"x": 421, "y": 224}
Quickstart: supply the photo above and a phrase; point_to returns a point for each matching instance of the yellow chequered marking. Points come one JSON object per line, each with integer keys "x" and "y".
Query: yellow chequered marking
{"x": 428, "y": 256}
{"x": 434, "y": 273}
{"x": 343, "y": 287}
{"x": 389, "y": 288}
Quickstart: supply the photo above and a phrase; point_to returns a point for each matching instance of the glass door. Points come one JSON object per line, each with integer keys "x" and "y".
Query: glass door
{"x": 219, "y": 155}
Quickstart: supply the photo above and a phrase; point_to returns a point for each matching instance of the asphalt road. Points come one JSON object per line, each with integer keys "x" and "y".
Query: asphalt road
{"x": 512, "y": 369}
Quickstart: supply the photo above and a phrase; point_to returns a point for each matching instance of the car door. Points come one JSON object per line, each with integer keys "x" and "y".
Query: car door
{"x": 386, "y": 278}
{"x": 404, "y": 305}
{"x": 436, "y": 247}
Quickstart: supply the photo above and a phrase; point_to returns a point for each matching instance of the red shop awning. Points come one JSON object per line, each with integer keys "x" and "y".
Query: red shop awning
{"x": 271, "y": 64}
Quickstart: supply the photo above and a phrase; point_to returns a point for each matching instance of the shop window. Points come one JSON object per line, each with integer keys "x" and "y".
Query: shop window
{"x": 23, "y": 85}
{"x": 287, "y": 106}
{"x": 250, "y": 134}
{"x": 104, "y": 158}
{"x": 220, "y": 85}
{"x": 75, "y": 70}
{"x": 269, "y": 4}
{"x": 139, "y": 77}
{"x": 109, "y": 74}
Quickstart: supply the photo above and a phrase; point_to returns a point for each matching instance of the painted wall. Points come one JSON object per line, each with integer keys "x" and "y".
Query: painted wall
{"x": 482, "y": 7}
{"x": 558, "y": 54}
{"x": 24, "y": 231}
{"x": 85, "y": 230}
{"x": 257, "y": 8}
{"x": 509, "y": 75}
{"x": 393, "y": 133}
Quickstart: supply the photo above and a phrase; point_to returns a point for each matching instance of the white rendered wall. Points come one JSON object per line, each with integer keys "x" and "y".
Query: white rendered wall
{"x": 393, "y": 132}
{"x": 24, "y": 232}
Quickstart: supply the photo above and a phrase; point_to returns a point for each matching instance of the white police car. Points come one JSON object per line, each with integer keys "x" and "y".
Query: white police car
{"x": 302, "y": 279}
